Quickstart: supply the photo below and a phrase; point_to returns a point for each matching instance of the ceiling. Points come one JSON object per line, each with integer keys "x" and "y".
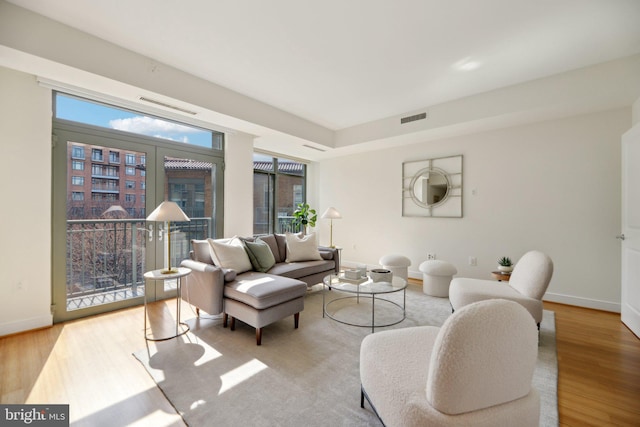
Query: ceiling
{"x": 341, "y": 63}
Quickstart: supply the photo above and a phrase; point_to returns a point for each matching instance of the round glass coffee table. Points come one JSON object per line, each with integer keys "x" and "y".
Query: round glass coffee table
{"x": 366, "y": 289}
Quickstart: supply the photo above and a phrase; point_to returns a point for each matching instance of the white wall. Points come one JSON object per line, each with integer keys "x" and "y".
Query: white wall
{"x": 552, "y": 186}
{"x": 238, "y": 185}
{"x": 25, "y": 225}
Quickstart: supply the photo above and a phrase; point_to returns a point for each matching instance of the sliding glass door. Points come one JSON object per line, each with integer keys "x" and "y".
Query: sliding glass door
{"x": 105, "y": 184}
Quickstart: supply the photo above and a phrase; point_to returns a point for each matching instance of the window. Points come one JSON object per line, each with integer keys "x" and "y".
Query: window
{"x": 279, "y": 185}
{"x": 298, "y": 194}
{"x": 96, "y": 155}
{"x": 189, "y": 194}
{"x": 77, "y": 165}
{"x": 103, "y": 184}
{"x": 114, "y": 157}
{"x": 100, "y": 211}
{"x": 82, "y": 110}
{"x": 99, "y": 170}
{"x": 78, "y": 152}
{"x": 76, "y": 211}
{"x": 100, "y": 197}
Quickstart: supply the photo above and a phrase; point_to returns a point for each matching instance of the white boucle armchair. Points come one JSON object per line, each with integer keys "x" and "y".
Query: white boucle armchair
{"x": 527, "y": 285}
{"x": 475, "y": 370}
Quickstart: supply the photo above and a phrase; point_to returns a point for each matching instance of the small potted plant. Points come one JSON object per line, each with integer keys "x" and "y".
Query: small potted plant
{"x": 304, "y": 217}
{"x": 505, "y": 265}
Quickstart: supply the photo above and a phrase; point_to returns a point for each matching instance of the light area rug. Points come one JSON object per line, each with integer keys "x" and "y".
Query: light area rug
{"x": 300, "y": 377}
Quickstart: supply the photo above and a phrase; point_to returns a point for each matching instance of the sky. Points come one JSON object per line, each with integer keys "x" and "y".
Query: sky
{"x": 70, "y": 108}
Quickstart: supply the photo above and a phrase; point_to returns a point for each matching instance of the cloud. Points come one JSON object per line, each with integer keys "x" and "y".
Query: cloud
{"x": 153, "y": 127}
{"x": 183, "y": 138}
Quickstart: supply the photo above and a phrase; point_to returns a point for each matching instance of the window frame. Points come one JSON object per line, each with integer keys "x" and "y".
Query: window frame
{"x": 273, "y": 175}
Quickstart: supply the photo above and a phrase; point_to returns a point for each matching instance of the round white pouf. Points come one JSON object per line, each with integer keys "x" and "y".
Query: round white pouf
{"x": 398, "y": 264}
{"x": 436, "y": 277}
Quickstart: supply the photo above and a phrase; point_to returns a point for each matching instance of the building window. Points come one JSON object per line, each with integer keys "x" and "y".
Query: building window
{"x": 77, "y": 180}
{"x": 100, "y": 170}
{"x": 101, "y": 197}
{"x": 130, "y": 159}
{"x": 279, "y": 185}
{"x": 114, "y": 157}
{"x": 298, "y": 194}
{"x": 76, "y": 211}
{"x": 130, "y": 185}
{"x": 77, "y": 152}
{"x": 77, "y": 165}
{"x": 77, "y": 195}
{"x": 131, "y": 198}
{"x": 130, "y": 170}
{"x": 103, "y": 184}
{"x": 96, "y": 155}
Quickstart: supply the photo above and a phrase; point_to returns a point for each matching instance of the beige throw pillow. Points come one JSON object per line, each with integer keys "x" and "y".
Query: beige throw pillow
{"x": 230, "y": 253}
{"x": 302, "y": 248}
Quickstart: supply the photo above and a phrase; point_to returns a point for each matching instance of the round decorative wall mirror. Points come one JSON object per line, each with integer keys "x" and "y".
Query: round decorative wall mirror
{"x": 430, "y": 187}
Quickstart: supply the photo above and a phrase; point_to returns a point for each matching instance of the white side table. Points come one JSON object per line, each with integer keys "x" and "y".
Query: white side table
{"x": 181, "y": 327}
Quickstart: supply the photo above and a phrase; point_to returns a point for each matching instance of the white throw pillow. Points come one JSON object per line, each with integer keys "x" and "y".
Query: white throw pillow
{"x": 302, "y": 248}
{"x": 230, "y": 253}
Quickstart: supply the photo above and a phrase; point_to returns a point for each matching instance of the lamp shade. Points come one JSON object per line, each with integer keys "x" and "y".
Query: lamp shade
{"x": 168, "y": 211}
{"x": 331, "y": 213}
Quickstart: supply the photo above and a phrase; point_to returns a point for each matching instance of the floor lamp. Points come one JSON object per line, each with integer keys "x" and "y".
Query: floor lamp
{"x": 168, "y": 211}
{"x": 331, "y": 214}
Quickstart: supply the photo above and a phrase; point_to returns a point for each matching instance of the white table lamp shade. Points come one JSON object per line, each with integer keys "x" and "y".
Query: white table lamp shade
{"x": 331, "y": 213}
{"x": 168, "y": 211}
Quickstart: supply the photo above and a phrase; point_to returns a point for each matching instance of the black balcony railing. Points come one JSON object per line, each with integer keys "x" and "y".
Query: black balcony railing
{"x": 108, "y": 255}
{"x": 286, "y": 225}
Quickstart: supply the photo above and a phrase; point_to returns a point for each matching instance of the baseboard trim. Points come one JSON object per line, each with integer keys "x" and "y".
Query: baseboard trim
{"x": 583, "y": 302}
{"x": 26, "y": 325}
{"x": 614, "y": 307}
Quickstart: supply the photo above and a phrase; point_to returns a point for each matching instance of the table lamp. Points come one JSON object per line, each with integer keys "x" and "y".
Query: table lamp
{"x": 168, "y": 211}
{"x": 331, "y": 214}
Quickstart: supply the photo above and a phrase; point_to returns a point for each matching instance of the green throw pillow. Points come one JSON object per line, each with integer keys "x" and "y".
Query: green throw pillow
{"x": 260, "y": 255}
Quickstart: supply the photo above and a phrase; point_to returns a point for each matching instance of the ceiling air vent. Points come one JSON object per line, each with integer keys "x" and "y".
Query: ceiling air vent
{"x": 413, "y": 118}
{"x": 164, "y": 104}
{"x": 313, "y": 148}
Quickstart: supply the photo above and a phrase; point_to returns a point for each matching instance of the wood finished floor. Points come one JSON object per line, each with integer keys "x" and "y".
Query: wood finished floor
{"x": 88, "y": 364}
